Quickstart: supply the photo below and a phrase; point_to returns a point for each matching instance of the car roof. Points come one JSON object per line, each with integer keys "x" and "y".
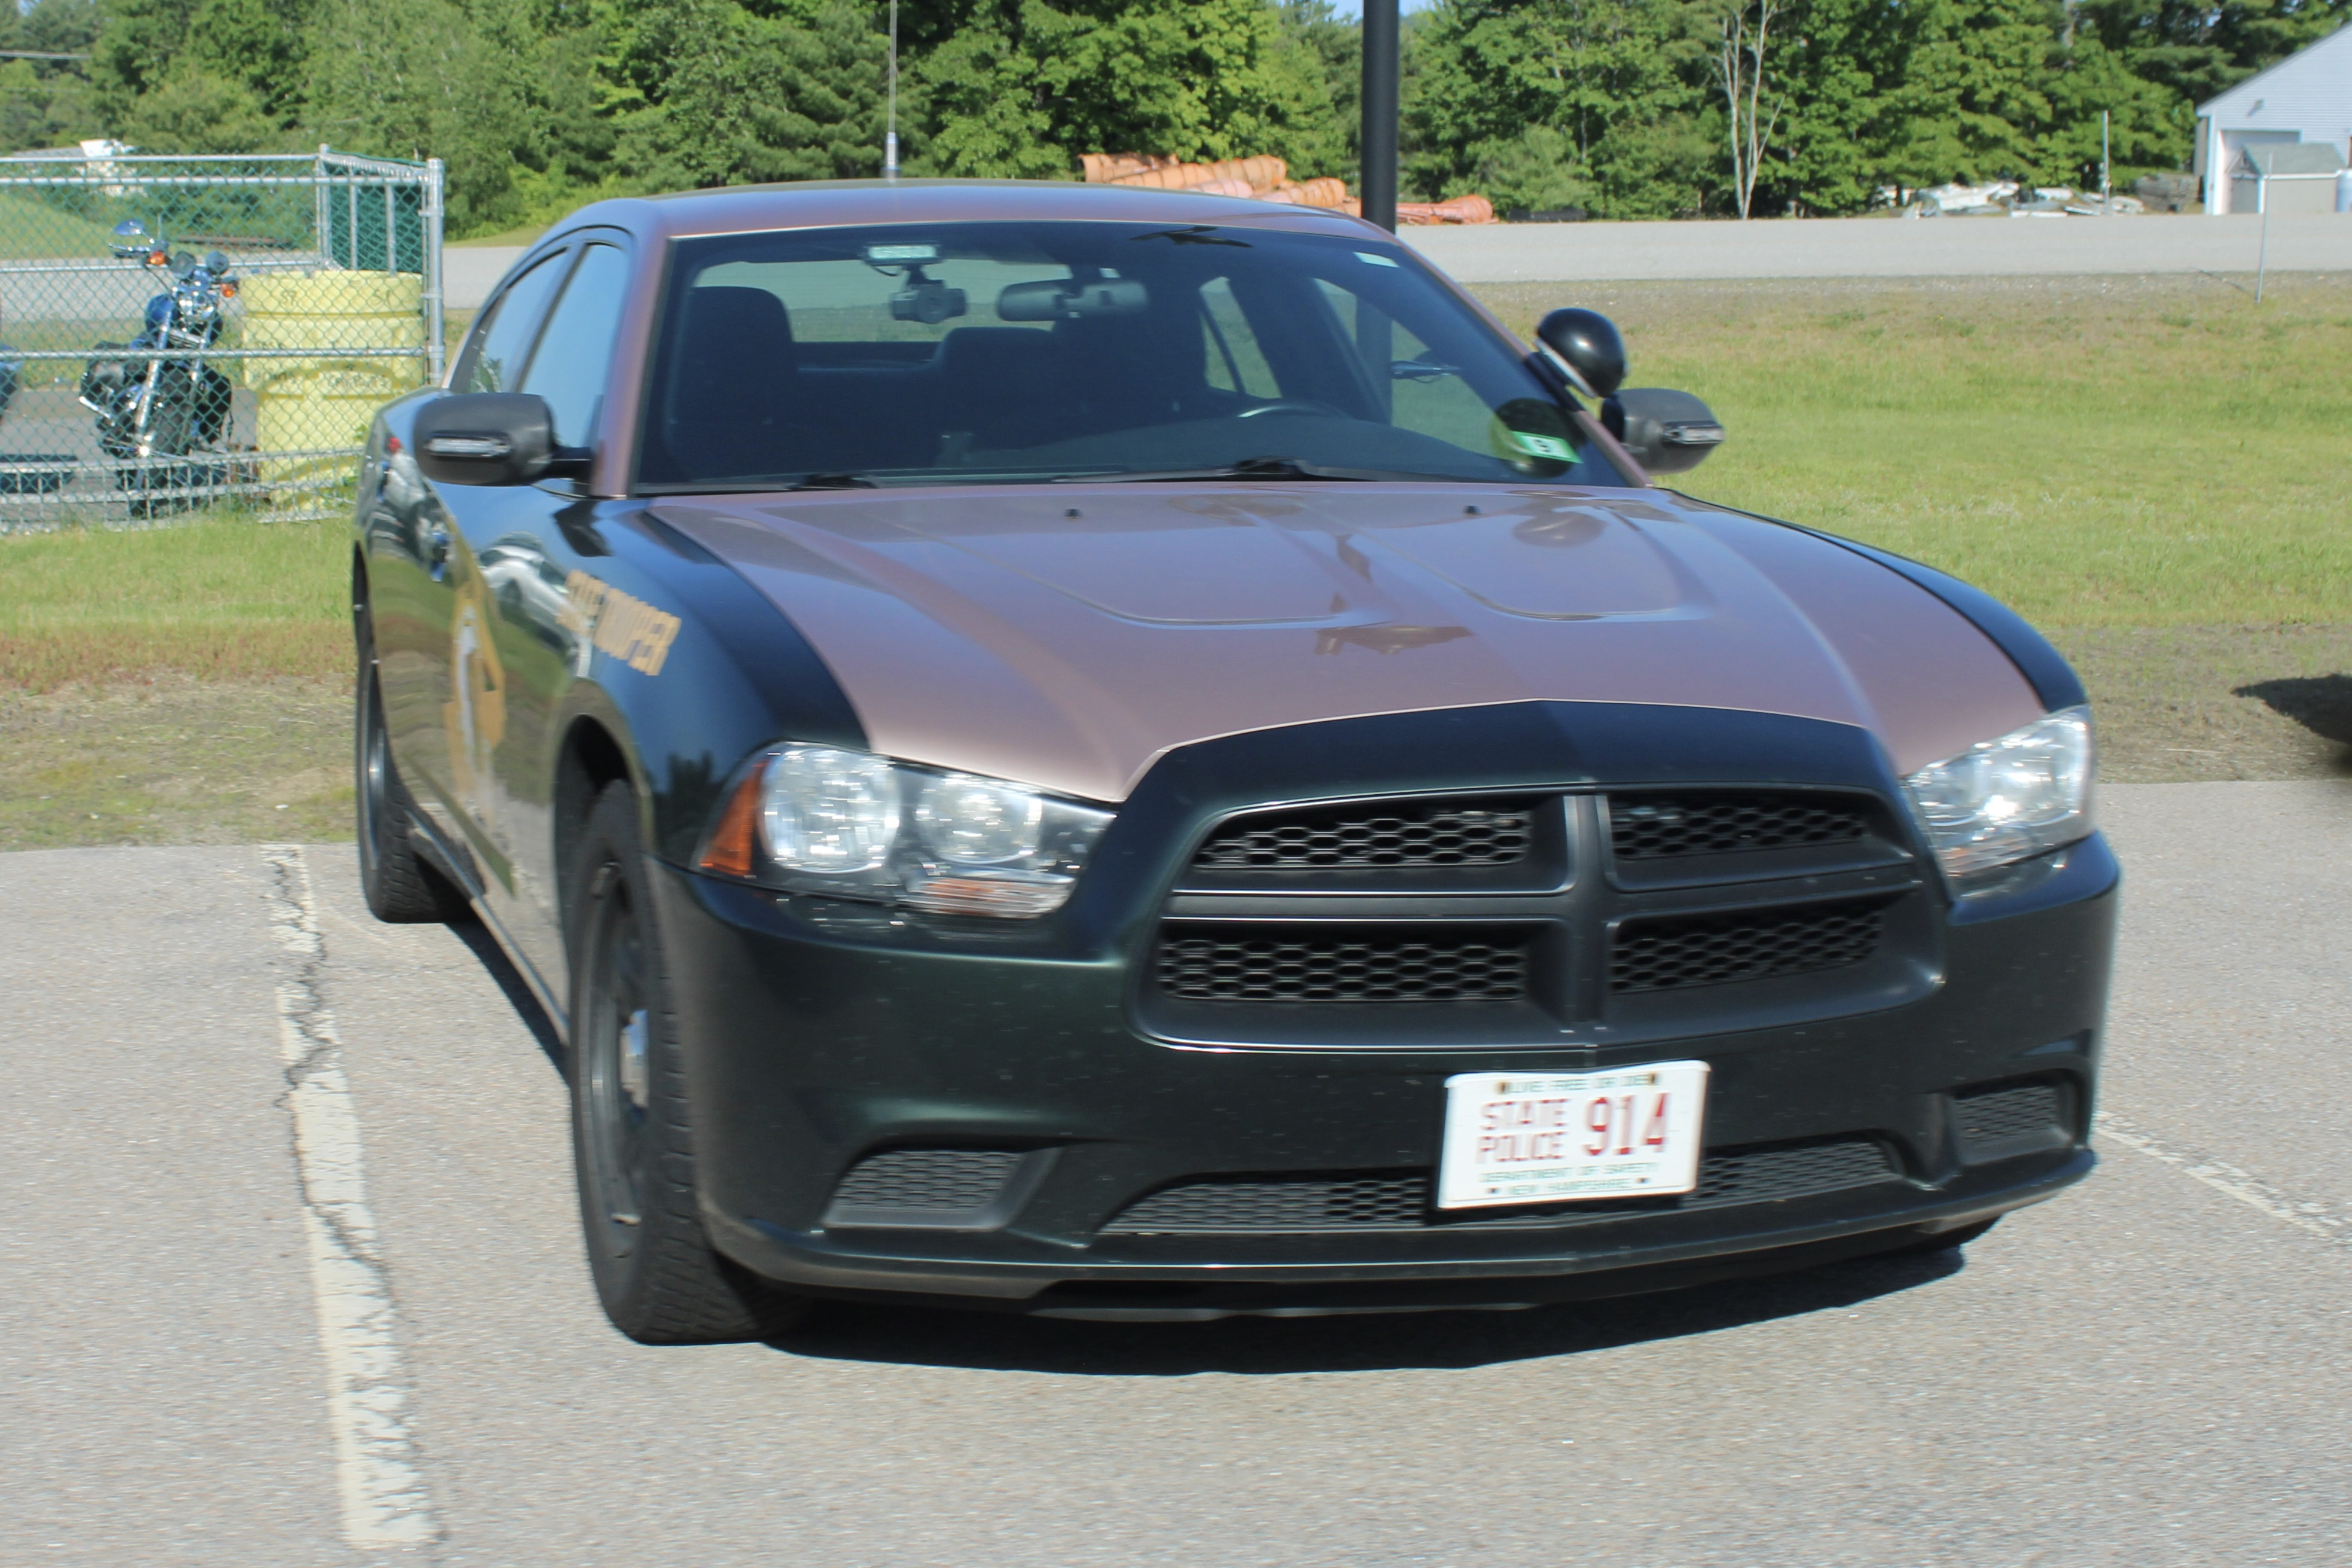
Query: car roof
{"x": 825, "y": 203}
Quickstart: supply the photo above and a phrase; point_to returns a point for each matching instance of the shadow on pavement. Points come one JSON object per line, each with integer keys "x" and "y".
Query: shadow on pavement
{"x": 1274, "y": 1346}
{"x": 509, "y": 980}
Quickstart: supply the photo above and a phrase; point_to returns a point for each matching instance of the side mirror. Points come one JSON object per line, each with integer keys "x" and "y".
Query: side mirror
{"x": 485, "y": 438}
{"x": 1667, "y": 432}
{"x": 1587, "y": 343}
{"x": 129, "y": 241}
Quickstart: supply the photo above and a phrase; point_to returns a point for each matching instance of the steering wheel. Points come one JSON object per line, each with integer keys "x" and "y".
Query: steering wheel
{"x": 1291, "y": 405}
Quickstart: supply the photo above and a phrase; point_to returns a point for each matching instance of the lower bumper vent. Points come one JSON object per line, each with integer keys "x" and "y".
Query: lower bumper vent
{"x": 2019, "y": 1111}
{"x": 1717, "y": 950}
{"x": 1428, "y": 965}
{"x": 1400, "y": 1200}
{"x": 929, "y": 1179}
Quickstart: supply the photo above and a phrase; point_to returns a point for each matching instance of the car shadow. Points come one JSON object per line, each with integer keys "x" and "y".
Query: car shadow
{"x": 511, "y": 983}
{"x": 1444, "y": 1341}
{"x": 2320, "y": 703}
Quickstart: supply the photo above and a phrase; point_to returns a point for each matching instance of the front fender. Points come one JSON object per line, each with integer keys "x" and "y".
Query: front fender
{"x": 732, "y": 676}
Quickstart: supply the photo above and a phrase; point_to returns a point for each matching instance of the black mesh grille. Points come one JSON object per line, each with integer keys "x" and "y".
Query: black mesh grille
{"x": 1439, "y": 964}
{"x": 1400, "y": 1200}
{"x": 1717, "y": 950}
{"x": 927, "y": 1179}
{"x": 1654, "y": 827}
{"x": 1991, "y": 1114}
{"x": 1392, "y": 836}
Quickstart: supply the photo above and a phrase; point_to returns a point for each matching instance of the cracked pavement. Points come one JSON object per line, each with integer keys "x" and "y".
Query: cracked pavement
{"x": 2155, "y": 1369}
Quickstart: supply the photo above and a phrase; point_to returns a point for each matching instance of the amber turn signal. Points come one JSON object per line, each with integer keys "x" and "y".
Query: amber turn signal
{"x": 733, "y": 846}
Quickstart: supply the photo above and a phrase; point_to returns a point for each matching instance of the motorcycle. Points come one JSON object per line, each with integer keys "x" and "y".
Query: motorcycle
{"x": 162, "y": 411}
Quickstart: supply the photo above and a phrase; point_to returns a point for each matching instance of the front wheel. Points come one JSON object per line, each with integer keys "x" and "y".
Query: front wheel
{"x": 657, "y": 1273}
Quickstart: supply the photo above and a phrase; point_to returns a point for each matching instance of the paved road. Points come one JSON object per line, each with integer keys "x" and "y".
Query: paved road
{"x": 2155, "y": 1370}
{"x": 1802, "y": 247}
{"x": 1885, "y": 247}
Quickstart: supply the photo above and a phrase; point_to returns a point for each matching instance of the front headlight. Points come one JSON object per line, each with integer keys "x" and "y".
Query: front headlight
{"x": 820, "y": 819}
{"x": 2003, "y": 801}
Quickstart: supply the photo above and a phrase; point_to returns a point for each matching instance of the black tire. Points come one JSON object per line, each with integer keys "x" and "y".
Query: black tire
{"x": 155, "y": 491}
{"x": 401, "y": 889}
{"x": 632, "y": 1137}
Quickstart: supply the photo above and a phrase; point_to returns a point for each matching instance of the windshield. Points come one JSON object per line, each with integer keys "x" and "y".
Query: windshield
{"x": 955, "y": 353}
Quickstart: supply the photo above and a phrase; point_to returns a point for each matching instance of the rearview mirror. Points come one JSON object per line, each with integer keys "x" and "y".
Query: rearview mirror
{"x": 129, "y": 241}
{"x": 1588, "y": 346}
{"x": 485, "y": 438}
{"x": 1058, "y": 299}
{"x": 1667, "y": 432}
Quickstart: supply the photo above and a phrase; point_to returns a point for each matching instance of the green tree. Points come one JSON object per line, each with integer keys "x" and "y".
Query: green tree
{"x": 1842, "y": 63}
{"x": 1621, "y": 83}
{"x": 1975, "y": 99}
{"x": 48, "y": 103}
{"x": 501, "y": 90}
{"x": 1021, "y": 87}
{"x": 194, "y": 110}
{"x": 795, "y": 95}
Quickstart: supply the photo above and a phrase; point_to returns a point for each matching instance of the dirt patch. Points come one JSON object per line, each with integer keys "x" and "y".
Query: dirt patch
{"x": 2176, "y": 704}
{"x": 176, "y": 760}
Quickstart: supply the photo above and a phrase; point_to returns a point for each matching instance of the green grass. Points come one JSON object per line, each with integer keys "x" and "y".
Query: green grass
{"x": 2098, "y": 452}
{"x": 235, "y": 598}
{"x": 176, "y": 760}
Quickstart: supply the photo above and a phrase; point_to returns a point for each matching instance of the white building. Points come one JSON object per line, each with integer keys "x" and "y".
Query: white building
{"x": 2305, "y": 98}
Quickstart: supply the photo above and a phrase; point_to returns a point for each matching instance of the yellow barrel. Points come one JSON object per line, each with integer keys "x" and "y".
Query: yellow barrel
{"x": 307, "y": 403}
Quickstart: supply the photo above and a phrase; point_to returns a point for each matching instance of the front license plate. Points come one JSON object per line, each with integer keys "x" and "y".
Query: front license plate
{"x": 1540, "y": 1138}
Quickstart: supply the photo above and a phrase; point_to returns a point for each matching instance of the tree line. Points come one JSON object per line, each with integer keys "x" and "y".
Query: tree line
{"x": 1623, "y": 107}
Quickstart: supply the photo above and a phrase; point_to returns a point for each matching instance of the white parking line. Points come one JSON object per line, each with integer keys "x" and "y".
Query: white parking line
{"x": 385, "y": 1501}
{"x": 2318, "y": 1219}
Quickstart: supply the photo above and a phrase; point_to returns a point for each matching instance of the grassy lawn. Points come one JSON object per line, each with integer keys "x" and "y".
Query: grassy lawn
{"x": 2098, "y": 452}
{"x": 236, "y": 599}
{"x": 2152, "y": 469}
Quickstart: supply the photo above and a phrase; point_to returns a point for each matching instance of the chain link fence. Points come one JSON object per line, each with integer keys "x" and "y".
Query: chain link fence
{"x": 230, "y": 353}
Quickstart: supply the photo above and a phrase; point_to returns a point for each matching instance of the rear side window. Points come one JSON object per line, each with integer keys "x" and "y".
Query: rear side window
{"x": 500, "y": 348}
{"x": 568, "y": 370}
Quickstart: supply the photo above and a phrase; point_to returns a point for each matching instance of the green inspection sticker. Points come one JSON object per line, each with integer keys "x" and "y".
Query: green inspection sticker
{"x": 1550, "y": 448}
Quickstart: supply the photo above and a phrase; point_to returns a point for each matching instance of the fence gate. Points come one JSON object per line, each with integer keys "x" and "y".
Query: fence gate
{"x": 335, "y": 308}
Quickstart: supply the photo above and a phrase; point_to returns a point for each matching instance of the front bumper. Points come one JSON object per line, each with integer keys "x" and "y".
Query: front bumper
{"x": 815, "y": 1034}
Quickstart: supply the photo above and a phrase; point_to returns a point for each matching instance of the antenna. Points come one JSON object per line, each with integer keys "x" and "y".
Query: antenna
{"x": 890, "y": 137}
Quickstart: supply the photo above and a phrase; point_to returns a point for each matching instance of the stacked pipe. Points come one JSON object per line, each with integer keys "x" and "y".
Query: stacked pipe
{"x": 1453, "y": 209}
{"x": 1266, "y": 178}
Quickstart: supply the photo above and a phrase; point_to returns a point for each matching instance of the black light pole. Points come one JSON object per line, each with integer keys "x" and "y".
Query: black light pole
{"x": 1378, "y": 181}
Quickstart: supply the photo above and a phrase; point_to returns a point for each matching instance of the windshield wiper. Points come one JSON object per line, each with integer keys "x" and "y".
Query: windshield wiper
{"x": 1247, "y": 468}
{"x": 834, "y": 482}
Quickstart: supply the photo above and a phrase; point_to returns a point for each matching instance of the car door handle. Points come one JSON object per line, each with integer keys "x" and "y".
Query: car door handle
{"x": 437, "y": 552}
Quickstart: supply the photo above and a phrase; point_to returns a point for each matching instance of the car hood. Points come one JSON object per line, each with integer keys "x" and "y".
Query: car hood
{"x": 1067, "y": 637}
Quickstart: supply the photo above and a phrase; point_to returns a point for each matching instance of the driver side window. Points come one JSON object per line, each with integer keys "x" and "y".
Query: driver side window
{"x": 500, "y": 350}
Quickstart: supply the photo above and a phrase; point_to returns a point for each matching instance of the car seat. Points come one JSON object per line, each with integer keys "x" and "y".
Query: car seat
{"x": 1000, "y": 386}
{"x": 733, "y": 387}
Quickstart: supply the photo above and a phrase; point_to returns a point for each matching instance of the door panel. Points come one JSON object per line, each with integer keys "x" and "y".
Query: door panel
{"x": 527, "y": 565}
{"x": 416, "y": 598}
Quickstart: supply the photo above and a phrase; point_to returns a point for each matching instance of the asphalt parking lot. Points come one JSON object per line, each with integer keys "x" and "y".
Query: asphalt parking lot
{"x": 2154, "y": 1370}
